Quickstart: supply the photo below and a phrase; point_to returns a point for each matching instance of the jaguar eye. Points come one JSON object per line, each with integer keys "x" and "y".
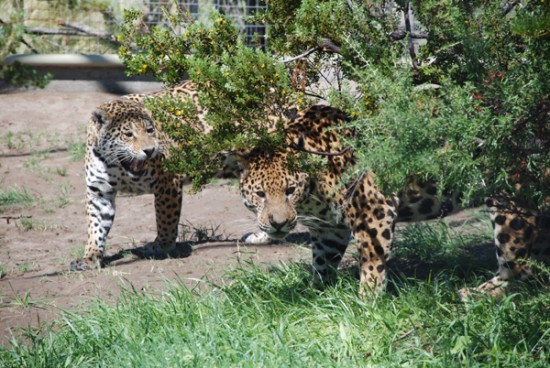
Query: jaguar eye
{"x": 290, "y": 191}
{"x": 150, "y": 130}
{"x": 260, "y": 194}
{"x": 129, "y": 134}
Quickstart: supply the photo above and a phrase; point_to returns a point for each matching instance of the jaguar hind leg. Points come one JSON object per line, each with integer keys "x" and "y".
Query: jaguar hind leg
{"x": 372, "y": 218}
{"x": 517, "y": 232}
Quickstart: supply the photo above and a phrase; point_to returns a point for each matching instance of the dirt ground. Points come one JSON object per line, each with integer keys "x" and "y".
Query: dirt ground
{"x": 41, "y": 141}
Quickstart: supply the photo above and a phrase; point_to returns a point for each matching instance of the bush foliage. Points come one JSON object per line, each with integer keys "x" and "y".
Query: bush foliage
{"x": 468, "y": 109}
{"x": 11, "y": 38}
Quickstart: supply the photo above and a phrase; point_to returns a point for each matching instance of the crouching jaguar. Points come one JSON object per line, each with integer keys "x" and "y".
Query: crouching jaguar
{"x": 334, "y": 212}
{"x": 124, "y": 151}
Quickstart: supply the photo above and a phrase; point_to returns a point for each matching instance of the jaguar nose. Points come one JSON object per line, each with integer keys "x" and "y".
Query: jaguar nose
{"x": 277, "y": 224}
{"x": 149, "y": 151}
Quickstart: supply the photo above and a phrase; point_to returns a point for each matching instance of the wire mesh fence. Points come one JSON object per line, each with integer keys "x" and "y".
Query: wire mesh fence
{"x": 88, "y": 26}
{"x": 239, "y": 11}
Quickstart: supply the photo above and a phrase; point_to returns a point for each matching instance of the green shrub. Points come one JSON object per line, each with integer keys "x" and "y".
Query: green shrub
{"x": 468, "y": 109}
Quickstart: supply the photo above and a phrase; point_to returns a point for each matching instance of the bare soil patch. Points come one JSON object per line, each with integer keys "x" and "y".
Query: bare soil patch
{"x": 41, "y": 140}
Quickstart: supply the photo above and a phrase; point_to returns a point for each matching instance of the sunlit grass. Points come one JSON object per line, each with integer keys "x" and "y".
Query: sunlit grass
{"x": 15, "y": 197}
{"x": 276, "y": 318}
{"x": 77, "y": 151}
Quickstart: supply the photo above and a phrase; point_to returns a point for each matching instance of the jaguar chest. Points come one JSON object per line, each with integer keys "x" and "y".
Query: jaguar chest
{"x": 113, "y": 178}
{"x": 314, "y": 212}
{"x": 141, "y": 184}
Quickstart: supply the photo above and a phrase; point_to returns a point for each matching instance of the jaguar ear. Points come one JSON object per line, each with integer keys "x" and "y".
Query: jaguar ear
{"x": 99, "y": 116}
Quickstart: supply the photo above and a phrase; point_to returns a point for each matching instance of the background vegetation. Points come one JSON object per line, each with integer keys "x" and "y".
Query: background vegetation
{"x": 39, "y": 27}
{"x": 469, "y": 108}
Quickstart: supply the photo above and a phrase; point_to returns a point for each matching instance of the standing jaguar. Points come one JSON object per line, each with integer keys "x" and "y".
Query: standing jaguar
{"x": 125, "y": 147}
{"x": 124, "y": 151}
{"x": 333, "y": 212}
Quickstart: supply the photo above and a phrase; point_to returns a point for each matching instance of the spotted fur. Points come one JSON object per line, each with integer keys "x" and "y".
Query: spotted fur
{"x": 124, "y": 152}
{"x": 519, "y": 232}
{"x": 334, "y": 212}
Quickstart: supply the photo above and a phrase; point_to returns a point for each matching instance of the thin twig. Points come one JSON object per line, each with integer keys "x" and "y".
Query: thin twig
{"x": 399, "y": 35}
{"x": 85, "y": 29}
{"x": 49, "y": 150}
{"x": 312, "y": 94}
{"x": 302, "y": 55}
{"x": 8, "y": 218}
{"x": 507, "y": 7}
{"x": 350, "y": 191}
{"x": 328, "y": 45}
{"x": 350, "y": 6}
{"x": 24, "y": 42}
{"x": 325, "y": 45}
{"x": 407, "y": 334}
{"x": 330, "y": 154}
{"x": 63, "y": 32}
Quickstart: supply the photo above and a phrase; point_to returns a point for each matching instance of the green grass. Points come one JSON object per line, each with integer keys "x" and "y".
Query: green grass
{"x": 64, "y": 198}
{"x": 61, "y": 171}
{"x": 13, "y": 140}
{"x": 15, "y": 197}
{"x": 77, "y": 151}
{"x": 276, "y": 318}
{"x": 438, "y": 247}
{"x": 35, "y": 162}
{"x": 77, "y": 251}
{"x": 25, "y": 267}
{"x": 201, "y": 234}
{"x": 26, "y": 223}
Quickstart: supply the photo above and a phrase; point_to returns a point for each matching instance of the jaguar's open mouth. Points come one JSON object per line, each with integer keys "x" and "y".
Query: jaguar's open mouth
{"x": 134, "y": 167}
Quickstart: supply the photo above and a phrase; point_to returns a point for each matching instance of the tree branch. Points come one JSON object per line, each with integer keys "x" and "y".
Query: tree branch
{"x": 325, "y": 45}
{"x": 507, "y": 7}
{"x": 46, "y": 31}
{"x": 23, "y": 41}
{"x": 399, "y": 35}
{"x": 350, "y": 6}
{"x": 302, "y": 149}
{"x": 75, "y": 29}
{"x": 408, "y": 28}
{"x": 328, "y": 45}
{"x": 20, "y": 217}
{"x": 312, "y": 94}
{"x": 86, "y": 30}
{"x": 302, "y": 55}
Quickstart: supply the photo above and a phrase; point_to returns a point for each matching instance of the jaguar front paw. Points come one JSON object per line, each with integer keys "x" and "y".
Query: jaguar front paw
{"x": 260, "y": 237}
{"x": 85, "y": 264}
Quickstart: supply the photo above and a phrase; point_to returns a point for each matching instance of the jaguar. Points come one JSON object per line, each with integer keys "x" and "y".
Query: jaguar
{"x": 334, "y": 209}
{"x": 125, "y": 147}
